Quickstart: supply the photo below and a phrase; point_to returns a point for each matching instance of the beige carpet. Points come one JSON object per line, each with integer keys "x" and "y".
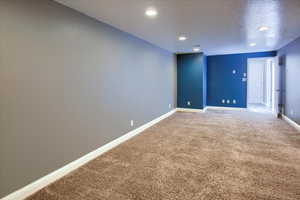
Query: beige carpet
{"x": 216, "y": 155}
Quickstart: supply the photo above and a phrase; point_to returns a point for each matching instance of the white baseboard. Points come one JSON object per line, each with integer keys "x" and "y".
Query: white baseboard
{"x": 225, "y": 108}
{"x": 189, "y": 110}
{"x": 291, "y": 122}
{"x": 50, "y": 178}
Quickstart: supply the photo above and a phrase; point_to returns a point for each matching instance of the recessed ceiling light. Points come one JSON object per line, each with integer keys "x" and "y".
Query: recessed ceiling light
{"x": 151, "y": 12}
{"x": 182, "y": 38}
{"x": 196, "y": 49}
{"x": 252, "y": 44}
{"x": 263, "y": 28}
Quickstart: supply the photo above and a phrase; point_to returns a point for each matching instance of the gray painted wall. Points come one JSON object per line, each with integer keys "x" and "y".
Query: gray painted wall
{"x": 289, "y": 57}
{"x": 70, "y": 84}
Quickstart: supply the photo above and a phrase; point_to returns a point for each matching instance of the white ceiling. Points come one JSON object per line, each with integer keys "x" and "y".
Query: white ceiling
{"x": 218, "y": 26}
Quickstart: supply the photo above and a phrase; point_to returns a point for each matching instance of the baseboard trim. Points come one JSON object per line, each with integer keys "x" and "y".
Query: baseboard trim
{"x": 59, "y": 173}
{"x": 291, "y": 122}
{"x": 225, "y": 108}
{"x": 189, "y": 110}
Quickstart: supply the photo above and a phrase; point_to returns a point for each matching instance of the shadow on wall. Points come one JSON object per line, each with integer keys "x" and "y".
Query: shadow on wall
{"x": 289, "y": 58}
{"x": 282, "y": 76}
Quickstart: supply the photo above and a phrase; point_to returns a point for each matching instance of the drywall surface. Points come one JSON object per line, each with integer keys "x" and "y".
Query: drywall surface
{"x": 289, "y": 57}
{"x": 191, "y": 76}
{"x": 225, "y": 75}
{"x": 70, "y": 84}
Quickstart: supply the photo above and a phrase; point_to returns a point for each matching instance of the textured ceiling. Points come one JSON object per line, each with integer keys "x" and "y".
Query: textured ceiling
{"x": 218, "y": 26}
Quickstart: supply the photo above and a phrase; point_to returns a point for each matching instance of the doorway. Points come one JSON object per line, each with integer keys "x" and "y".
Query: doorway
{"x": 261, "y": 85}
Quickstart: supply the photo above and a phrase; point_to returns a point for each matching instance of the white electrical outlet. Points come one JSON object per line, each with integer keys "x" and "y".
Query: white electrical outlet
{"x": 188, "y": 103}
{"x": 223, "y": 100}
{"x": 131, "y": 123}
{"x": 228, "y": 101}
{"x": 169, "y": 105}
{"x": 234, "y": 101}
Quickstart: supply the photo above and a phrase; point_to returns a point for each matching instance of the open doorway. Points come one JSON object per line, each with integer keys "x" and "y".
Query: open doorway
{"x": 261, "y": 85}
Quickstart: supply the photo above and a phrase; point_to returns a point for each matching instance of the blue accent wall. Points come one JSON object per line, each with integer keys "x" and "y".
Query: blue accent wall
{"x": 223, "y": 84}
{"x": 204, "y": 81}
{"x": 191, "y": 80}
{"x": 289, "y": 62}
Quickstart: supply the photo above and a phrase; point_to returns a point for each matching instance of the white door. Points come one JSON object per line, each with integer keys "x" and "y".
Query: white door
{"x": 255, "y": 83}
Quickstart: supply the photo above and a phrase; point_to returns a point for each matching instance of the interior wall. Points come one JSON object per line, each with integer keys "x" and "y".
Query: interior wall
{"x": 289, "y": 57}
{"x": 70, "y": 84}
{"x": 223, "y": 84}
{"x": 191, "y": 80}
{"x": 204, "y": 81}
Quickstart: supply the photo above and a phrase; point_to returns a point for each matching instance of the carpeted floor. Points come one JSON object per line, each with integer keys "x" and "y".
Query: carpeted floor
{"x": 218, "y": 155}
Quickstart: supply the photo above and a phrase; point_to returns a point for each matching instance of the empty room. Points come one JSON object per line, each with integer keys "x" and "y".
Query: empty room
{"x": 149, "y": 100}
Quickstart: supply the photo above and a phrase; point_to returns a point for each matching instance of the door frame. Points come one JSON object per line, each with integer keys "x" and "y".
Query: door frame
{"x": 274, "y": 80}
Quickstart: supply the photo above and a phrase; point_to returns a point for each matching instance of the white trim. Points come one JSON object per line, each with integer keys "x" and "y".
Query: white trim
{"x": 291, "y": 122}
{"x": 225, "y": 108}
{"x": 189, "y": 110}
{"x": 59, "y": 173}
